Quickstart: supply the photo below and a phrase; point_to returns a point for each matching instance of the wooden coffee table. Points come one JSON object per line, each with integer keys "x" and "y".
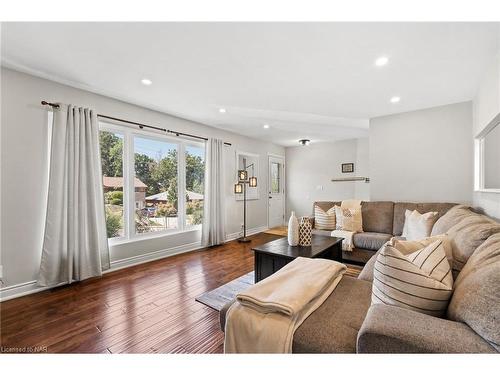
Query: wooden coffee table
{"x": 272, "y": 256}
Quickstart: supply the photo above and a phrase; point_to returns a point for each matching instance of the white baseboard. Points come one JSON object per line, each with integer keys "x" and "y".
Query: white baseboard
{"x": 250, "y": 232}
{"x": 155, "y": 255}
{"x": 30, "y": 287}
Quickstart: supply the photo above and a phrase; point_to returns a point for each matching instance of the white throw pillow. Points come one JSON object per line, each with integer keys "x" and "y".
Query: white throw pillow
{"x": 324, "y": 220}
{"x": 349, "y": 219}
{"x": 418, "y": 226}
{"x": 420, "y": 281}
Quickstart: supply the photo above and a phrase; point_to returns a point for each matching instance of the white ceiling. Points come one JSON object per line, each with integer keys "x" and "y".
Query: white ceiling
{"x": 306, "y": 80}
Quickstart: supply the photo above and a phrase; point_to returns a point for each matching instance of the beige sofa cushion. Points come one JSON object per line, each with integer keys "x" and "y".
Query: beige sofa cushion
{"x": 333, "y": 327}
{"x": 468, "y": 235}
{"x": 418, "y": 226}
{"x": 419, "y": 281}
{"x": 370, "y": 240}
{"x": 377, "y": 216}
{"x": 476, "y": 299}
{"x": 451, "y": 218}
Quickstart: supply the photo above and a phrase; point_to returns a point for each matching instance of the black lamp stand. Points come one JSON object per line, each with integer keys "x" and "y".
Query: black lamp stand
{"x": 241, "y": 187}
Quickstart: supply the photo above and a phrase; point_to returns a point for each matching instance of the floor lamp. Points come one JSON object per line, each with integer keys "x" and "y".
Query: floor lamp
{"x": 241, "y": 188}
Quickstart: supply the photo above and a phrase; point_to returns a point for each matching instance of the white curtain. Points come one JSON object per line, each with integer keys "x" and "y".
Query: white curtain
{"x": 75, "y": 245}
{"x": 214, "y": 226}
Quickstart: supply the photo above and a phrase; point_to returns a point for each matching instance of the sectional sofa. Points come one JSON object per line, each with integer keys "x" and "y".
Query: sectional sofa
{"x": 381, "y": 222}
{"x": 347, "y": 323}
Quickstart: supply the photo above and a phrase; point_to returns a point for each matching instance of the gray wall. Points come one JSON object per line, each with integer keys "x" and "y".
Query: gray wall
{"x": 309, "y": 170}
{"x": 486, "y": 108}
{"x": 423, "y": 156}
{"x": 24, "y": 170}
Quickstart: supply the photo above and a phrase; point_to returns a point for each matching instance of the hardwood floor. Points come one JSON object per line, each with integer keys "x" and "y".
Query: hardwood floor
{"x": 148, "y": 308}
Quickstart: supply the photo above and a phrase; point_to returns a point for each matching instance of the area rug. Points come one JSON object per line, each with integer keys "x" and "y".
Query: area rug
{"x": 217, "y": 298}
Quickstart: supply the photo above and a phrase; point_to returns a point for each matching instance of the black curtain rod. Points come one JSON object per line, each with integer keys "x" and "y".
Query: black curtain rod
{"x": 141, "y": 126}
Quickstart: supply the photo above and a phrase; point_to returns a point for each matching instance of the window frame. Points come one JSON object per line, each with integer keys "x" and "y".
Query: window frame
{"x": 128, "y": 158}
{"x": 479, "y": 158}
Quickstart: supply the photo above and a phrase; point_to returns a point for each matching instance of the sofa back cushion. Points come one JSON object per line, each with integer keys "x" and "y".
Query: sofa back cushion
{"x": 476, "y": 299}
{"x": 401, "y": 207}
{"x": 467, "y": 235}
{"x": 377, "y": 216}
{"x": 451, "y": 218}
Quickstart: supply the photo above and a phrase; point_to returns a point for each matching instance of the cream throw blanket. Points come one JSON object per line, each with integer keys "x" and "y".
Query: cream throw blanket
{"x": 351, "y": 203}
{"x": 347, "y": 244}
{"x": 264, "y": 318}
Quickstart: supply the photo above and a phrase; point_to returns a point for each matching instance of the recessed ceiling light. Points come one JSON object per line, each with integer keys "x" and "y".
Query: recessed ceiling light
{"x": 381, "y": 61}
{"x": 266, "y": 126}
{"x": 304, "y": 142}
{"x": 222, "y": 110}
{"x": 146, "y": 82}
{"x": 395, "y": 99}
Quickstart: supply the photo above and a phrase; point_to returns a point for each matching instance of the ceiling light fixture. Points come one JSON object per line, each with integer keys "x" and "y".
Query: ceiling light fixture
{"x": 146, "y": 82}
{"x": 222, "y": 110}
{"x": 266, "y": 126}
{"x": 381, "y": 61}
{"x": 395, "y": 99}
{"x": 304, "y": 142}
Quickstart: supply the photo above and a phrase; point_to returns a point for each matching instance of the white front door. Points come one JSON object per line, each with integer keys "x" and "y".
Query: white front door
{"x": 276, "y": 213}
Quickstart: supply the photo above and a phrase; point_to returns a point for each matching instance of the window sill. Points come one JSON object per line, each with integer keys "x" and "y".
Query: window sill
{"x": 144, "y": 237}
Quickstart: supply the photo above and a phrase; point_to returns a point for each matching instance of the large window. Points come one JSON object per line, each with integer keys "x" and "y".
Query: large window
{"x": 152, "y": 184}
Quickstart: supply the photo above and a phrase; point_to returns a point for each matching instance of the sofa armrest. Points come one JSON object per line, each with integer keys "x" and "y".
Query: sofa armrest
{"x": 391, "y": 329}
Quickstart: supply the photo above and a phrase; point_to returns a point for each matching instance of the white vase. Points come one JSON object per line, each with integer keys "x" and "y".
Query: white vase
{"x": 293, "y": 230}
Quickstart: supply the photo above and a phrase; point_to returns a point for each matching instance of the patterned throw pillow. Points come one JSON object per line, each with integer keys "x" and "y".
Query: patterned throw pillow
{"x": 406, "y": 247}
{"x": 324, "y": 220}
{"x": 421, "y": 281}
{"x": 349, "y": 219}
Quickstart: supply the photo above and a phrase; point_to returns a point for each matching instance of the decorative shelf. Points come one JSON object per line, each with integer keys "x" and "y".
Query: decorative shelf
{"x": 346, "y": 179}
